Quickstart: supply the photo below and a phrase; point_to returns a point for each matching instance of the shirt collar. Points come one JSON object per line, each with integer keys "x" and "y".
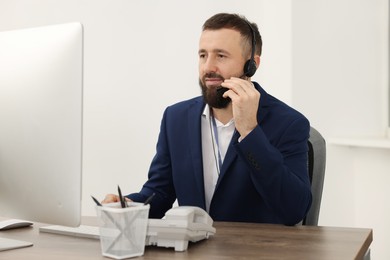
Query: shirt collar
{"x": 206, "y": 114}
{"x": 206, "y": 111}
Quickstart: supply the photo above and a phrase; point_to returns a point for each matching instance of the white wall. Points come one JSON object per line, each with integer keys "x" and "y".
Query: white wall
{"x": 340, "y": 81}
{"x": 327, "y": 58}
{"x": 141, "y": 56}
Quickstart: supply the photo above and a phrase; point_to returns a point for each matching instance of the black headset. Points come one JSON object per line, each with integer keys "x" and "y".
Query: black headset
{"x": 250, "y": 65}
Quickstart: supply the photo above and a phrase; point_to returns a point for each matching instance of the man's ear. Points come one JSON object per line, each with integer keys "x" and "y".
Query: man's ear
{"x": 257, "y": 60}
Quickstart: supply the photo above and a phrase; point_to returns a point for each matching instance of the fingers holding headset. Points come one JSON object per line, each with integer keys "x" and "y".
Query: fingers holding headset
{"x": 245, "y": 102}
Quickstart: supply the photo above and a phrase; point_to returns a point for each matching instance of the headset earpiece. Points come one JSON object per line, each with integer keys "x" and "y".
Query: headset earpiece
{"x": 250, "y": 68}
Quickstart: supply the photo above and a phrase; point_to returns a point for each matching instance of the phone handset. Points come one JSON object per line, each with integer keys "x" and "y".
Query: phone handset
{"x": 194, "y": 217}
{"x": 179, "y": 226}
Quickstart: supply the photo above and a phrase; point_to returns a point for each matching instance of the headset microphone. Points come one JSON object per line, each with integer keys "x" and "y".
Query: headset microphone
{"x": 250, "y": 65}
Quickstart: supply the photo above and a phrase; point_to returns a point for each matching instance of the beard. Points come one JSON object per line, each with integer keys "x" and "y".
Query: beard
{"x": 213, "y": 96}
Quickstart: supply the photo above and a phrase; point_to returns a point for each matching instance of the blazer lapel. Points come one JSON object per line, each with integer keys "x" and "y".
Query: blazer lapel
{"x": 263, "y": 107}
{"x": 195, "y": 143}
{"x": 230, "y": 156}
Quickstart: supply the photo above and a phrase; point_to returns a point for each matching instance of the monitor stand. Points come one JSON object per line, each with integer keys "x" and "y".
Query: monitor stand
{"x": 8, "y": 244}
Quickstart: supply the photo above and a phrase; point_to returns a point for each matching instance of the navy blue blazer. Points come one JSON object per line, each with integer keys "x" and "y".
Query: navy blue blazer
{"x": 264, "y": 178}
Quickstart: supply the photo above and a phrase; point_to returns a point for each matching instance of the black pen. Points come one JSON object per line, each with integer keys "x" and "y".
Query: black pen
{"x": 121, "y": 198}
{"x": 147, "y": 201}
{"x": 96, "y": 201}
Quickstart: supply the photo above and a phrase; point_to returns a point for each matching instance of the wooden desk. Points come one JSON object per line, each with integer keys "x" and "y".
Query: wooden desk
{"x": 232, "y": 241}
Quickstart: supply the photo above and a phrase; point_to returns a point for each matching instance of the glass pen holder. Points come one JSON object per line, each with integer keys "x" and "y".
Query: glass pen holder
{"x": 123, "y": 230}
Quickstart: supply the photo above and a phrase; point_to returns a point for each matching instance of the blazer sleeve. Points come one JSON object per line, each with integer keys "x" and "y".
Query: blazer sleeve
{"x": 276, "y": 154}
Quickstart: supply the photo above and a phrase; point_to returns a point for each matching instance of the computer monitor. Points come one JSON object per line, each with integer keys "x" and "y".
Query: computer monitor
{"x": 41, "y": 79}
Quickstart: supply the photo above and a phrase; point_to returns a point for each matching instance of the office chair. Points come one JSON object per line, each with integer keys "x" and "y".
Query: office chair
{"x": 316, "y": 166}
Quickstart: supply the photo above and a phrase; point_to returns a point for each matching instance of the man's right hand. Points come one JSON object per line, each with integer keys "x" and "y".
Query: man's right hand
{"x": 110, "y": 198}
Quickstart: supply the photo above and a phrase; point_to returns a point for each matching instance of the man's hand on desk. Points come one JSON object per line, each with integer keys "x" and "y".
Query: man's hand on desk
{"x": 111, "y": 198}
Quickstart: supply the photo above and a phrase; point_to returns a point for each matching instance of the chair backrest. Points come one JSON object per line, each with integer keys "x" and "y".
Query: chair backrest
{"x": 316, "y": 164}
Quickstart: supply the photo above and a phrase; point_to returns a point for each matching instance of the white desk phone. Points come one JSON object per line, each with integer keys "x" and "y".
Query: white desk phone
{"x": 179, "y": 226}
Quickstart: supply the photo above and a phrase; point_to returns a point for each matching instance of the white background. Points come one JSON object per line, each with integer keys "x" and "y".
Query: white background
{"x": 329, "y": 59}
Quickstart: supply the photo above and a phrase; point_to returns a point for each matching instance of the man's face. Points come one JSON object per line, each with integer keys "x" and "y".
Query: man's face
{"x": 220, "y": 58}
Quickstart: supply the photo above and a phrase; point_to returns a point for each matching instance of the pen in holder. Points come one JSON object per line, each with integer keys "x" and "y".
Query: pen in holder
{"x": 123, "y": 227}
{"x": 123, "y": 230}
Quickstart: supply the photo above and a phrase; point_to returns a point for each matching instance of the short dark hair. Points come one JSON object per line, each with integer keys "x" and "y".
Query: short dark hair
{"x": 236, "y": 22}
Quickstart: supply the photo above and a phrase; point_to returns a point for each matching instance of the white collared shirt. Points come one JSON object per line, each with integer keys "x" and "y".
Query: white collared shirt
{"x": 210, "y": 150}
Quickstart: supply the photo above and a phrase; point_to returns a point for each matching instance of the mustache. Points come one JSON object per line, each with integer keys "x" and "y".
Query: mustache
{"x": 213, "y": 75}
{"x": 216, "y": 75}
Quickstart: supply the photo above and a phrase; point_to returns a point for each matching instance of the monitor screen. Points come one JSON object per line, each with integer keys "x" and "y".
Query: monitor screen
{"x": 41, "y": 74}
